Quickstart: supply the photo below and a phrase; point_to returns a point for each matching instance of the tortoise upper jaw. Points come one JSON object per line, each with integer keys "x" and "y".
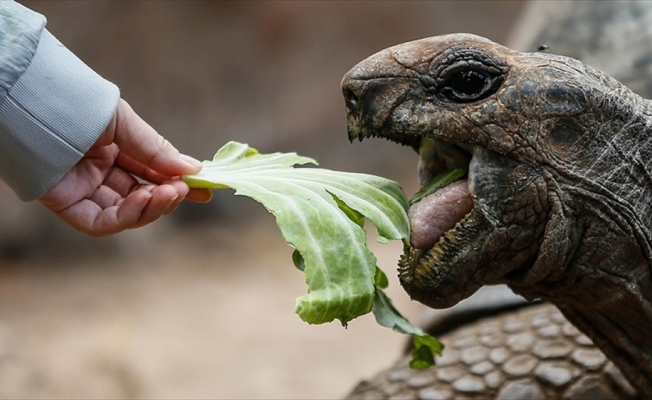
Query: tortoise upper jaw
{"x": 378, "y": 86}
{"x": 370, "y": 108}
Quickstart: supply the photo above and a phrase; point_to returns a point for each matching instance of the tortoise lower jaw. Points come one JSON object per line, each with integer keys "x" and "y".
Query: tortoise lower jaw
{"x": 442, "y": 276}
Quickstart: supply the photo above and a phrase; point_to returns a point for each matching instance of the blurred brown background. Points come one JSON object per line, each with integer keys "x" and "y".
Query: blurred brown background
{"x": 200, "y": 304}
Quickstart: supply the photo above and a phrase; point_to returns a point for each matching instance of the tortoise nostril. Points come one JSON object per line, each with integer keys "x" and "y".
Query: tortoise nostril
{"x": 351, "y": 99}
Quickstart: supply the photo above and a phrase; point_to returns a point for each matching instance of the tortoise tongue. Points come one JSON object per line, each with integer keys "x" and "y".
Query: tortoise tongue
{"x": 431, "y": 217}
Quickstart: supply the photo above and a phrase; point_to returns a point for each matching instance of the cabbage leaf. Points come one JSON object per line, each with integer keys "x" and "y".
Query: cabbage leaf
{"x": 320, "y": 213}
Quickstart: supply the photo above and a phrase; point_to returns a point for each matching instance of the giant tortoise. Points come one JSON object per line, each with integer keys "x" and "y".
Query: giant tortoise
{"x": 556, "y": 205}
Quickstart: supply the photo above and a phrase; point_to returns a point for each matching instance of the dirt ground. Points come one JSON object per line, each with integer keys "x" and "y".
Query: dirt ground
{"x": 209, "y": 316}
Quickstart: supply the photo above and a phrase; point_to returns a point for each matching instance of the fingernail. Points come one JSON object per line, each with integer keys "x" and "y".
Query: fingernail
{"x": 192, "y": 162}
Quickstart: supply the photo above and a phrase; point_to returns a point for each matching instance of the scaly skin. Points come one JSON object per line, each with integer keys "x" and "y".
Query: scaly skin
{"x": 559, "y": 176}
{"x": 529, "y": 353}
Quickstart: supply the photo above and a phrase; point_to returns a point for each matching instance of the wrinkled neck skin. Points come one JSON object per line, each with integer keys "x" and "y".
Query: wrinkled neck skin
{"x": 597, "y": 243}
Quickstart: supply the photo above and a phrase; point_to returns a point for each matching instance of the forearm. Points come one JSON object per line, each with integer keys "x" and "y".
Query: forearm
{"x": 53, "y": 107}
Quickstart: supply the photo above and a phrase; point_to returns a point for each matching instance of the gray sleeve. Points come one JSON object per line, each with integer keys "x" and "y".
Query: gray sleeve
{"x": 52, "y": 106}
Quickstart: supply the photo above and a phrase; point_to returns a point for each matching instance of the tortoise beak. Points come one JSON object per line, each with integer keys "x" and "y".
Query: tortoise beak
{"x": 371, "y": 97}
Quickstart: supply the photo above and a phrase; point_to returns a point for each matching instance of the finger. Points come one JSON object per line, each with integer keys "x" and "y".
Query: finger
{"x": 163, "y": 197}
{"x": 141, "y": 142}
{"x": 182, "y": 189}
{"x": 194, "y": 195}
{"x": 172, "y": 208}
{"x": 200, "y": 195}
{"x": 87, "y": 216}
{"x": 136, "y": 168}
{"x": 140, "y": 208}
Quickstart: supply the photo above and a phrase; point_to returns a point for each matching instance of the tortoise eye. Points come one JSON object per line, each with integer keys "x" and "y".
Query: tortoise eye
{"x": 468, "y": 85}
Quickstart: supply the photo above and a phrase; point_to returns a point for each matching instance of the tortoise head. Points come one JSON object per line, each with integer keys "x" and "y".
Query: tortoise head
{"x": 548, "y": 178}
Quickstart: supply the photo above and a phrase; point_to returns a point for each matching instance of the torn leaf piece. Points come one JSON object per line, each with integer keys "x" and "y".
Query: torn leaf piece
{"x": 426, "y": 347}
{"x": 438, "y": 182}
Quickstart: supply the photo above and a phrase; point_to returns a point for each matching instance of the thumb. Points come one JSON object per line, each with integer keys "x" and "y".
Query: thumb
{"x": 140, "y": 142}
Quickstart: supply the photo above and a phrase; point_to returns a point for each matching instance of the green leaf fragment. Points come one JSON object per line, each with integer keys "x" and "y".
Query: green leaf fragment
{"x": 422, "y": 358}
{"x": 387, "y": 316}
{"x": 438, "y": 182}
{"x": 381, "y": 280}
{"x": 426, "y": 347}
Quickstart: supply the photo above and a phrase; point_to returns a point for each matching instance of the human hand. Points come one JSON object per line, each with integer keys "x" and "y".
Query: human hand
{"x": 101, "y": 196}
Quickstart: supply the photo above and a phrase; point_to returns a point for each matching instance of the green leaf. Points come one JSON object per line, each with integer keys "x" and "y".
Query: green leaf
{"x": 381, "y": 280}
{"x": 426, "y": 347}
{"x": 319, "y": 213}
{"x": 438, "y": 182}
{"x": 422, "y": 357}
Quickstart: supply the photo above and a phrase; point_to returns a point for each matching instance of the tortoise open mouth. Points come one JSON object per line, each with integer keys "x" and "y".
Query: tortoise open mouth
{"x": 442, "y": 221}
{"x": 440, "y": 214}
{"x": 448, "y": 226}
{"x": 435, "y": 214}
{"x": 447, "y": 231}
